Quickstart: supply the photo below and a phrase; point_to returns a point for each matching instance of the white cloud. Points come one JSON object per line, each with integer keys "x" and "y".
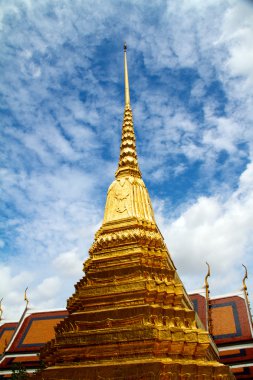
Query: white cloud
{"x": 69, "y": 263}
{"x": 48, "y": 288}
{"x": 12, "y": 287}
{"x": 224, "y": 134}
{"x": 238, "y": 34}
{"x": 218, "y": 231}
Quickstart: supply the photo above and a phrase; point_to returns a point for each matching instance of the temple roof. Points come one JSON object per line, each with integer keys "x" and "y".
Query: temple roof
{"x": 231, "y": 327}
{"x": 20, "y": 342}
{"x": 7, "y": 330}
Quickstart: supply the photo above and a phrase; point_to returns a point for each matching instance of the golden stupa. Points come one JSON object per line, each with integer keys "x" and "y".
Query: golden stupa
{"x": 130, "y": 316}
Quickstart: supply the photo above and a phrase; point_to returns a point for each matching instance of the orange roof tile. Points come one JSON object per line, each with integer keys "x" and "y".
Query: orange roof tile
{"x": 230, "y": 320}
{"x": 6, "y": 332}
{"x": 35, "y": 330}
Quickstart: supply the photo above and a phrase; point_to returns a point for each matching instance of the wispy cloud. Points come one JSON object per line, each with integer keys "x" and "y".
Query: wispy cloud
{"x": 216, "y": 230}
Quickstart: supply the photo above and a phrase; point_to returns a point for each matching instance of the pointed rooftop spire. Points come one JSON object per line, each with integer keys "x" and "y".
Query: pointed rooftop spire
{"x": 128, "y": 162}
{"x": 127, "y": 93}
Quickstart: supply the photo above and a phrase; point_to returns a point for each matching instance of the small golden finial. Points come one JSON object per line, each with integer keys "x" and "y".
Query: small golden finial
{"x": 245, "y": 277}
{"x": 25, "y": 297}
{"x": 1, "y": 310}
{"x": 245, "y": 289}
{"x": 207, "y": 275}
{"x": 208, "y": 304}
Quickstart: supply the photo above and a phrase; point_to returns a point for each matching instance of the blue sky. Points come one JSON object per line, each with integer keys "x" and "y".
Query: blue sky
{"x": 62, "y": 98}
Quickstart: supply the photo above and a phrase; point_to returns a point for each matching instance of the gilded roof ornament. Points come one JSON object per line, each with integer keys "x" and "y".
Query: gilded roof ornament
{"x": 208, "y": 305}
{"x": 206, "y": 277}
{"x": 1, "y": 310}
{"x": 245, "y": 278}
{"x": 26, "y": 298}
{"x": 245, "y": 289}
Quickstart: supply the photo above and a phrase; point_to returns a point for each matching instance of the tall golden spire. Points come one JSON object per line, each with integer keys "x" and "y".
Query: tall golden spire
{"x": 128, "y": 162}
{"x": 127, "y": 92}
{"x": 127, "y": 196}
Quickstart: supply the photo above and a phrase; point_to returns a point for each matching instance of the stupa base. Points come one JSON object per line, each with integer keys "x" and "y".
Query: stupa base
{"x": 139, "y": 370}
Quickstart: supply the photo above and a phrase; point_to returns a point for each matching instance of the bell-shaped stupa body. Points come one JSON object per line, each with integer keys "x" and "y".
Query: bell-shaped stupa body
{"x": 130, "y": 316}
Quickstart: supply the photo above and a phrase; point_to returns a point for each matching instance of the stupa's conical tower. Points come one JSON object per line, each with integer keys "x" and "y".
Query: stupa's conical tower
{"x": 130, "y": 317}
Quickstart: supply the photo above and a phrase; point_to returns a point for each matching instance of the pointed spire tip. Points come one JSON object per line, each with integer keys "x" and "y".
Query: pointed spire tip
{"x": 127, "y": 92}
